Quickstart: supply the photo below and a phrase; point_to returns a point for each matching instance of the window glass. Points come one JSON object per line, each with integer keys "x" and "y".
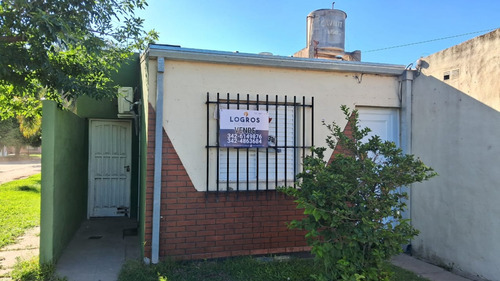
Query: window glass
{"x": 265, "y": 166}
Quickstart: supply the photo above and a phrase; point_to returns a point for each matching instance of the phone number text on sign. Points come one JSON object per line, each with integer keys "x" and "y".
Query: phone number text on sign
{"x": 253, "y": 139}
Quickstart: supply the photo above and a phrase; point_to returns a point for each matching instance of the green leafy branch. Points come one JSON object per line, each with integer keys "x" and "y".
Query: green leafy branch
{"x": 353, "y": 203}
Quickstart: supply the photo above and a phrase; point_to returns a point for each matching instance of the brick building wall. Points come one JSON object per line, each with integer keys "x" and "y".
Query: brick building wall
{"x": 339, "y": 149}
{"x": 196, "y": 226}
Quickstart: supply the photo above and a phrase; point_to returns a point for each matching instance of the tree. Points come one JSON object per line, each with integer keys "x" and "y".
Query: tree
{"x": 62, "y": 49}
{"x": 352, "y": 204}
{"x": 11, "y": 136}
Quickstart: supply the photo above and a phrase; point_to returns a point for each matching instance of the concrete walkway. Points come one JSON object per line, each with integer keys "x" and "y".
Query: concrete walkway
{"x": 425, "y": 270}
{"x": 26, "y": 248}
{"x": 99, "y": 249}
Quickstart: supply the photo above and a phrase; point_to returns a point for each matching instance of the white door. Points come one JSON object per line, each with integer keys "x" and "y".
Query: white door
{"x": 384, "y": 122}
{"x": 109, "y": 168}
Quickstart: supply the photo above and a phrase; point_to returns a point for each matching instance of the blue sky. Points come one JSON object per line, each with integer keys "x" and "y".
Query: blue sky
{"x": 279, "y": 26}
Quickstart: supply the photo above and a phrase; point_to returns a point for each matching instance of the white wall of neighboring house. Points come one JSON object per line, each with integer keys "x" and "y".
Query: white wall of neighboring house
{"x": 472, "y": 67}
{"x": 456, "y": 128}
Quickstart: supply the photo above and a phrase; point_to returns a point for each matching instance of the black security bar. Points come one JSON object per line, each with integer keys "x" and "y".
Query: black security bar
{"x": 303, "y": 139}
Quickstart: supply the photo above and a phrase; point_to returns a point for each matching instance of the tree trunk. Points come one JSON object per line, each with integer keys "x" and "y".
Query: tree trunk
{"x": 18, "y": 150}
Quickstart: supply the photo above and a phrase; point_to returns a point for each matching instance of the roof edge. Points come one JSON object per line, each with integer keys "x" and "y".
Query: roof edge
{"x": 223, "y": 57}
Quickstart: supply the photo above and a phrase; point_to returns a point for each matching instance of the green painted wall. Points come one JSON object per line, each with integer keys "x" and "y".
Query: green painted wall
{"x": 86, "y": 107}
{"x": 64, "y": 179}
{"x": 65, "y": 164}
{"x": 128, "y": 76}
{"x": 90, "y": 108}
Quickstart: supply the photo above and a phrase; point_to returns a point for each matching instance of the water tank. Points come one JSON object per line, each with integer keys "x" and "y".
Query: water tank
{"x": 326, "y": 29}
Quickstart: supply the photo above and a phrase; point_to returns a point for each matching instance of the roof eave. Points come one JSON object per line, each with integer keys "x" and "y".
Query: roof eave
{"x": 186, "y": 54}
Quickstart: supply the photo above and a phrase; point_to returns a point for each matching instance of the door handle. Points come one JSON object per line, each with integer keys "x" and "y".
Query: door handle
{"x": 127, "y": 168}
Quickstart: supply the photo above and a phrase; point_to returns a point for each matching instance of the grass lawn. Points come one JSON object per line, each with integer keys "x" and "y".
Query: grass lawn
{"x": 19, "y": 207}
{"x": 234, "y": 269}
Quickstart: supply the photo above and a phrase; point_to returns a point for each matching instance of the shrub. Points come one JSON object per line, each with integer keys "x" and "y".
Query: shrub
{"x": 31, "y": 270}
{"x": 353, "y": 204}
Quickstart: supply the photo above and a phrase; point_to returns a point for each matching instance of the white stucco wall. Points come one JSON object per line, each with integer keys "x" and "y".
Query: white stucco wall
{"x": 187, "y": 83}
{"x": 148, "y": 80}
{"x": 458, "y": 211}
{"x": 456, "y": 127}
{"x": 473, "y": 67}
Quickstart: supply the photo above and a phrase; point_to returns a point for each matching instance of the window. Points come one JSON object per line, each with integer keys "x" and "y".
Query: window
{"x": 259, "y": 168}
{"x": 446, "y": 75}
{"x": 452, "y": 74}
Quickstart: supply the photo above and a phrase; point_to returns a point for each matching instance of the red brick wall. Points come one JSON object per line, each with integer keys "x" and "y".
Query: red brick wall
{"x": 339, "y": 149}
{"x": 194, "y": 226}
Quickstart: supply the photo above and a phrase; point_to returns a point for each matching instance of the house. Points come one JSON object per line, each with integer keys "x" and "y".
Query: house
{"x": 186, "y": 151}
{"x": 196, "y": 200}
{"x": 207, "y": 200}
{"x": 172, "y": 159}
{"x": 455, "y": 130}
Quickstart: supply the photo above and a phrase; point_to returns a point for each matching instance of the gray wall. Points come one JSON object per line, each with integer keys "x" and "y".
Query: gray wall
{"x": 457, "y": 212}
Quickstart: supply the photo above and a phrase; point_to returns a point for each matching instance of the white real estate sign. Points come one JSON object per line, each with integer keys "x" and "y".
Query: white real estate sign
{"x": 243, "y": 128}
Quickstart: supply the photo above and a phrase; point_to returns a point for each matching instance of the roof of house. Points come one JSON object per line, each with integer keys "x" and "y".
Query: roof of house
{"x": 186, "y": 54}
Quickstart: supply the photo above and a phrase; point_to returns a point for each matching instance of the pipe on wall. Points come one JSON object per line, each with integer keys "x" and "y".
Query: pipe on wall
{"x": 406, "y": 123}
{"x": 155, "y": 243}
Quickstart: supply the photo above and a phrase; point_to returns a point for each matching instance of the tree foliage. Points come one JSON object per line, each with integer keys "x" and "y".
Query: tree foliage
{"x": 11, "y": 135}
{"x": 353, "y": 205}
{"x": 62, "y": 49}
